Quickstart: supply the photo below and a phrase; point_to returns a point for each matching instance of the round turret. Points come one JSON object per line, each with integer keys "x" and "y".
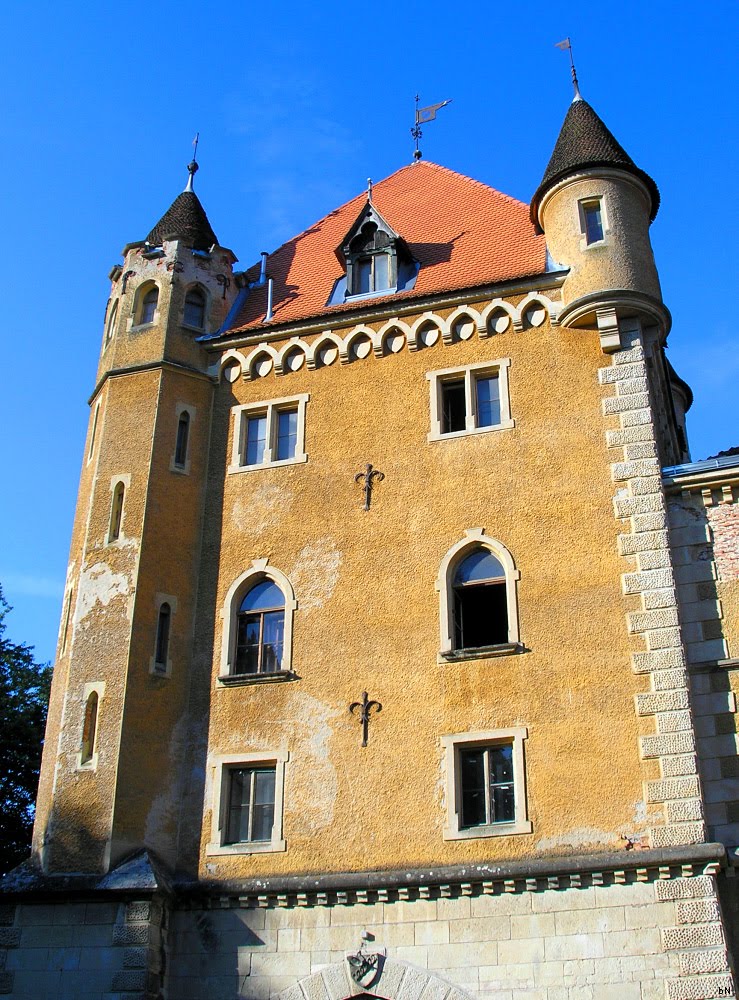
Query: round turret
{"x": 595, "y": 207}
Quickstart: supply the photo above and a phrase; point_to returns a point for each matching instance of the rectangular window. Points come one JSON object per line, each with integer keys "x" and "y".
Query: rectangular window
{"x": 592, "y": 222}
{"x": 248, "y": 803}
{"x": 485, "y": 784}
{"x": 251, "y": 804}
{"x": 470, "y": 400}
{"x": 269, "y": 433}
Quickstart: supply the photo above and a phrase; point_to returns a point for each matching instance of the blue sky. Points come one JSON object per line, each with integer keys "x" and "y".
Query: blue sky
{"x": 297, "y": 105}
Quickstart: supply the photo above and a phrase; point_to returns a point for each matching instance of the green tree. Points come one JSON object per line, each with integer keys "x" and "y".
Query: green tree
{"x": 24, "y": 695}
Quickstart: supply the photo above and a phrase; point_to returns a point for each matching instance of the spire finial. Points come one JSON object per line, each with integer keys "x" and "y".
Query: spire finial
{"x": 566, "y": 44}
{"x": 192, "y": 166}
{"x": 369, "y": 190}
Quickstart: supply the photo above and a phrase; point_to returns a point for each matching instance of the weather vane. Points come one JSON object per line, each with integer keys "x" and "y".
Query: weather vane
{"x": 566, "y": 44}
{"x": 424, "y": 115}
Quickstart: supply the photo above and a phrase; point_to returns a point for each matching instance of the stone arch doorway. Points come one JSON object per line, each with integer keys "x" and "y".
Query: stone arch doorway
{"x": 396, "y": 981}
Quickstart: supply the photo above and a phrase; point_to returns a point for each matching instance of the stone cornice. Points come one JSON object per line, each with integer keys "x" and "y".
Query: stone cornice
{"x": 150, "y": 366}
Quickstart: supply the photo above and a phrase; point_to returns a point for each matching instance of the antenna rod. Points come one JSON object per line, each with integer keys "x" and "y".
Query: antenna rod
{"x": 567, "y": 44}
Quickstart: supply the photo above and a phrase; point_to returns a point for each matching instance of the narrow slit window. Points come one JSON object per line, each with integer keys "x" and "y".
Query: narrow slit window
{"x": 89, "y": 729}
{"x": 93, "y": 432}
{"x": 162, "y": 643}
{"x": 116, "y": 512}
{"x": 67, "y": 614}
{"x": 593, "y": 222}
{"x": 183, "y": 433}
{"x": 110, "y": 329}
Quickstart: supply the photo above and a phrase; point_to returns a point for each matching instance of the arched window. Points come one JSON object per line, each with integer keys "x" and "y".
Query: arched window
{"x": 478, "y": 612}
{"x": 257, "y": 626}
{"x": 480, "y": 606}
{"x": 116, "y": 512}
{"x": 183, "y": 433}
{"x": 260, "y": 630}
{"x": 149, "y": 306}
{"x": 89, "y": 729}
{"x": 162, "y": 643}
{"x": 110, "y": 329}
{"x": 195, "y": 308}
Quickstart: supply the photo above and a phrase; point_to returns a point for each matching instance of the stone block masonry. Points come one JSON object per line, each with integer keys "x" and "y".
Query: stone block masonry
{"x": 643, "y": 940}
{"x": 644, "y": 544}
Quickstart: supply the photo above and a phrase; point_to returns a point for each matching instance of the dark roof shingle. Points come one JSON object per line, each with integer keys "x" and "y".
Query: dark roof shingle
{"x": 584, "y": 141}
{"x": 184, "y": 220}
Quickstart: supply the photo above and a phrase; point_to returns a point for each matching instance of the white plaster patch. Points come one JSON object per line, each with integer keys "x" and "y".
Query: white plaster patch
{"x": 98, "y": 585}
{"x": 579, "y": 838}
{"x": 315, "y": 573}
{"x": 261, "y": 509}
{"x": 313, "y": 732}
{"x": 162, "y": 816}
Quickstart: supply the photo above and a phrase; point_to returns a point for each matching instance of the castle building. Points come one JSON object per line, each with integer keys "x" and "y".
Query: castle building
{"x": 398, "y": 648}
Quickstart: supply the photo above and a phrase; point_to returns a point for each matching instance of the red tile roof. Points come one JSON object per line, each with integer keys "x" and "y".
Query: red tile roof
{"x": 463, "y": 232}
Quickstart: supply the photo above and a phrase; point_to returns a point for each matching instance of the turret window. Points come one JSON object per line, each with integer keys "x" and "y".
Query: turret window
{"x": 149, "y": 306}
{"x": 112, "y": 320}
{"x": 92, "y": 695}
{"x": 194, "y": 314}
{"x": 183, "y": 432}
{"x": 162, "y": 643}
{"x": 592, "y": 221}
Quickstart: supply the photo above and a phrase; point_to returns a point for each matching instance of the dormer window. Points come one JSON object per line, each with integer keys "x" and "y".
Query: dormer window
{"x": 377, "y": 259}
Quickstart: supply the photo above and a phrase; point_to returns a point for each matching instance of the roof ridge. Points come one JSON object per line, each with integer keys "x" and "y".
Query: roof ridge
{"x": 472, "y": 180}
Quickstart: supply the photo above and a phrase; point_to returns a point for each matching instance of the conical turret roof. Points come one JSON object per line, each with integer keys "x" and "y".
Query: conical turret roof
{"x": 184, "y": 220}
{"x": 584, "y": 142}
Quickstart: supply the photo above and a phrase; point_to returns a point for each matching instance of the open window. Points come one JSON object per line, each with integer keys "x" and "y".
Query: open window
{"x": 478, "y": 608}
{"x": 257, "y": 627}
{"x": 470, "y": 400}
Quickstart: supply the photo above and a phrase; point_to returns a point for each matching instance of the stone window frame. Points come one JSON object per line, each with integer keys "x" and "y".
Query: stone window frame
{"x": 452, "y": 744}
{"x": 191, "y": 411}
{"x": 583, "y": 204}
{"x": 258, "y": 571}
{"x": 220, "y": 765}
{"x": 469, "y": 373}
{"x": 269, "y": 408}
{"x": 155, "y": 668}
{"x": 475, "y": 538}
{"x": 111, "y": 323}
{"x": 98, "y": 688}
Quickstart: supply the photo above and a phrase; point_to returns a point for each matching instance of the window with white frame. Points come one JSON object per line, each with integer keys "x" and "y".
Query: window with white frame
{"x": 486, "y": 788}
{"x": 269, "y": 434}
{"x": 478, "y": 608}
{"x": 248, "y": 803}
{"x": 470, "y": 400}
{"x": 257, "y": 627}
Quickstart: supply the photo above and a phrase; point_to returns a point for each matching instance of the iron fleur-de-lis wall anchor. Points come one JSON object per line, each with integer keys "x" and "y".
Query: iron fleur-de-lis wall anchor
{"x": 364, "y": 715}
{"x": 369, "y": 475}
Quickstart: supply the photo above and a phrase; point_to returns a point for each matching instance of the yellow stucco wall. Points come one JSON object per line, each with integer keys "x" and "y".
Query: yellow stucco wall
{"x": 368, "y": 611}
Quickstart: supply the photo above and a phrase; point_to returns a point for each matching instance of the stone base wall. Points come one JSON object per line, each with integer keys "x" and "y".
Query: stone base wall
{"x": 658, "y": 940}
{"x": 82, "y": 951}
{"x": 631, "y": 935}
